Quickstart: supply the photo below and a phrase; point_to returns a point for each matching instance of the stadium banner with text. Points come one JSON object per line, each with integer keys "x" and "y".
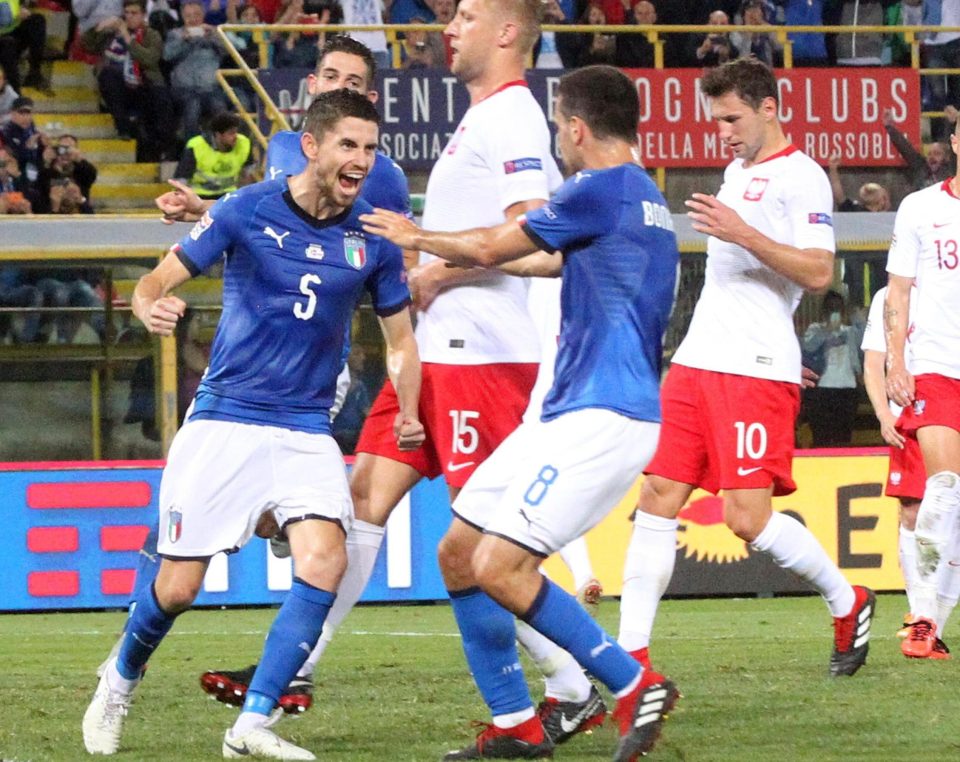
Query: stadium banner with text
{"x": 823, "y": 111}
{"x": 74, "y": 533}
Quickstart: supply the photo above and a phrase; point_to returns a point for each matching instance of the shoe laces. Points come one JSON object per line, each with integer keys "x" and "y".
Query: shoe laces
{"x": 920, "y": 630}
{"x": 115, "y": 708}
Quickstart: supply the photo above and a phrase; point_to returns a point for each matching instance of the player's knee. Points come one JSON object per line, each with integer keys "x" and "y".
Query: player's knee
{"x": 744, "y": 523}
{"x": 176, "y": 596}
{"x": 487, "y": 568}
{"x": 908, "y": 514}
{"x": 657, "y": 498}
{"x": 321, "y": 565}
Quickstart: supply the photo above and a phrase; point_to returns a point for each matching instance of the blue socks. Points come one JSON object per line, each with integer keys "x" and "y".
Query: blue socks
{"x": 148, "y": 564}
{"x": 490, "y": 644}
{"x": 294, "y": 633}
{"x": 146, "y": 627}
{"x": 557, "y": 615}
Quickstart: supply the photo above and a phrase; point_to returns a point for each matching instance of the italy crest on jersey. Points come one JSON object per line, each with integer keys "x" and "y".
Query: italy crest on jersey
{"x": 175, "y": 525}
{"x": 355, "y": 250}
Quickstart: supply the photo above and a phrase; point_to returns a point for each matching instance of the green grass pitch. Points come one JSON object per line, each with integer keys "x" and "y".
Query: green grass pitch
{"x": 394, "y": 686}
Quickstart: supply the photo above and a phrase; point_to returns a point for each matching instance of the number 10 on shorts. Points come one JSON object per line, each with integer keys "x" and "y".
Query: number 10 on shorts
{"x": 751, "y": 440}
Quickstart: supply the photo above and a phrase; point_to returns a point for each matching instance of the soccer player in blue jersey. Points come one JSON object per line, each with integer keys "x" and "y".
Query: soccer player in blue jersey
{"x": 258, "y": 437}
{"x": 553, "y": 479}
{"x": 343, "y": 63}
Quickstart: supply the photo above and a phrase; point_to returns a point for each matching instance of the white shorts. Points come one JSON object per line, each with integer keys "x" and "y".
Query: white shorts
{"x": 550, "y": 482}
{"x": 221, "y": 476}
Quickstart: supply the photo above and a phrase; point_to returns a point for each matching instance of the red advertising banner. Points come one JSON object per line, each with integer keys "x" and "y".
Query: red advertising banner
{"x": 823, "y": 112}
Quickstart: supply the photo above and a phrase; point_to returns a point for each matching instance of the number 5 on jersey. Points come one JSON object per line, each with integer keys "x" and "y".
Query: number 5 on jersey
{"x": 305, "y": 311}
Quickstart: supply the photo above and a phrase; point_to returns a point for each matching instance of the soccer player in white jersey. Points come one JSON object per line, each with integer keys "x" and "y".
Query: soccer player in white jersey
{"x": 258, "y": 437}
{"x": 732, "y": 394}
{"x": 907, "y": 476}
{"x": 556, "y": 477}
{"x": 926, "y": 250}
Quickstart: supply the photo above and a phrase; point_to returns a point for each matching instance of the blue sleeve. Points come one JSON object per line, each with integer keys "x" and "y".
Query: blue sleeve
{"x": 284, "y": 155}
{"x": 583, "y": 208}
{"x": 214, "y": 235}
{"x": 387, "y": 187}
{"x": 387, "y": 284}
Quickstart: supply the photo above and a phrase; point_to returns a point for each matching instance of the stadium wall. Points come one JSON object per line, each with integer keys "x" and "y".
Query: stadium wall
{"x": 74, "y": 531}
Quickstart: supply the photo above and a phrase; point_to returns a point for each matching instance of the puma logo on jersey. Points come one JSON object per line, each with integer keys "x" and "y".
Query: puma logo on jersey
{"x": 275, "y": 172}
{"x": 278, "y": 237}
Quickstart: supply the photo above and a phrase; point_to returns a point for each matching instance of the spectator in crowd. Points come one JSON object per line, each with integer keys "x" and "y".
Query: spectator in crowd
{"x": 66, "y": 178}
{"x": 872, "y": 197}
{"x": 896, "y": 50}
{"x": 218, "y": 162}
{"x": 300, "y": 49}
{"x": 163, "y": 17}
{"x": 12, "y": 197}
{"x": 26, "y": 144}
{"x": 21, "y": 328}
{"x": 243, "y": 41}
{"x": 715, "y": 48}
{"x": 131, "y": 84}
{"x": 592, "y": 48}
{"x": 941, "y": 50}
{"x": 401, "y": 11}
{"x": 371, "y": 12}
{"x": 547, "y": 53}
{"x": 932, "y": 166}
{"x": 90, "y": 13}
{"x": 831, "y": 348}
{"x": 22, "y": 30}
{"x": 763, "y": 46}
{"x": 195, "y": 51}
{"x": 634, "y": 50}
{"x": 444, "y": 10}
{"x": 421, "y": 49}
{"x": 809, "y": 48}
{"x": 7, "y": 97}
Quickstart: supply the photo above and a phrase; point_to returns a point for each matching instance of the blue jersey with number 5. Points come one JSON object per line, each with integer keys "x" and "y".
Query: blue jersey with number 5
{"x": 290, "y": 286}
{"x": 619, "y": 275}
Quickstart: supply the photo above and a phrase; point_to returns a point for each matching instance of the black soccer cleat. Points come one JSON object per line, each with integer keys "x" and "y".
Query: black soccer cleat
{"x": 502, "y": 743}
{"x": 851, "y": 634}
{"x": 564, "y": 719}
{"x": 641, "y": 715}
{"x": 230, "y": 687}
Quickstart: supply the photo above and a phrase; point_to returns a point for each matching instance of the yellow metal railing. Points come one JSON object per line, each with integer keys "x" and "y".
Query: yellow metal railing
{"x": 262, "y": 35}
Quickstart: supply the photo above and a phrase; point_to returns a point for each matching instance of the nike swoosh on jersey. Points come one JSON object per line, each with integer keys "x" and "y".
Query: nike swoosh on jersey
{"x": 741, "y": 471}
{"x": 941, "y": 224}
{"x": 459, "y": 466}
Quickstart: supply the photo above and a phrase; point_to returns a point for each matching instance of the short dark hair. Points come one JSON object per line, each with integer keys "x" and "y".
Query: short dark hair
{"x": 141, "y": 4}
{"x": 224, "y": 121}
{"x": 603, "y": 97}
{"x": 341, "y": 43}
{"x": 329, "y": 108}
{"x": 749, "y": 78}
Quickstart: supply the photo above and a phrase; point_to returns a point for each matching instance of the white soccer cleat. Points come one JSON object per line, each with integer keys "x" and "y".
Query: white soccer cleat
{"x": 103, "y": 720}
{"x": 262, "y": 743}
